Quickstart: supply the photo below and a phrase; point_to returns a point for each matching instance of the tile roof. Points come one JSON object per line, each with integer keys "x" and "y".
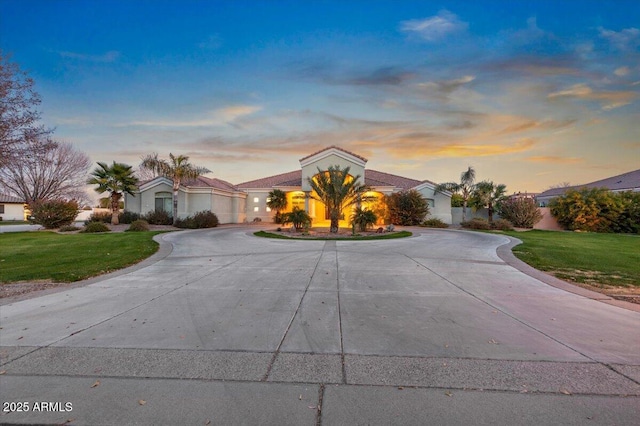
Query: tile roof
{"x": 205, "y": 182}
{"x": 376, "y": 178}
{"x": 624, "y": 182}
{"x": 339, "y": 149}
{"x": 293, "y": 178}
{"x": 4, "y": 198}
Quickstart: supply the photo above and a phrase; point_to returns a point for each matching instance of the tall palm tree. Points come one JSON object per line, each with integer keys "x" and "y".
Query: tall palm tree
{"x": 178, "y": 169}
{"x": 337, "y": 189}
{"x": 488, "y": 194}
{"x": 464, "y": 188}
{"x": 277, "y": 200}
{"x": 116, "y": 179}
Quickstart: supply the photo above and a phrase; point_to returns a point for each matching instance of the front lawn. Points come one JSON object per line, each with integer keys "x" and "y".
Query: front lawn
{"x": 13, "y": 222}
{"x": 596, "y": 259}
{"x": 30, "y": 256}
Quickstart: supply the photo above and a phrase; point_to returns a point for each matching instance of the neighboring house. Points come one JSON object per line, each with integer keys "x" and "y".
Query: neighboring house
{"x": 248, "y": 201}
{"x": 11, "y": 208}
{"x": 629, "y": 181}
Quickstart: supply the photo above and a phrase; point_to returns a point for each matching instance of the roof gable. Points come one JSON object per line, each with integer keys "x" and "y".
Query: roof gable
{"x": 333, "y": 150}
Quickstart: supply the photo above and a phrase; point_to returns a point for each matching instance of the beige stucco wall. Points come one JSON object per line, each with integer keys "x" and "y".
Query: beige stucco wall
{"x": 12, "y": 211}
{"x": 257, "y": 199}
{"x": 439, "y": 204}
{"x": 311, "y": 170}
{"x": 548, "y": 222}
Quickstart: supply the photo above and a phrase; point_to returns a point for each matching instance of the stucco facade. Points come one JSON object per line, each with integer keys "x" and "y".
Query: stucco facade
{"x": 11, "y": 208}
{"x": 247, "y": 201}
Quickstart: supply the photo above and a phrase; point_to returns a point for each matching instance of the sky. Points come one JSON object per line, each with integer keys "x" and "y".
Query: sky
{"x": 529, "y": 93}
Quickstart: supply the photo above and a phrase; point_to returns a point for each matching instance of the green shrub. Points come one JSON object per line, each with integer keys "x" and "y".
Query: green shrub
{"x": 53, "y": 213}
{"x": 476, "y": 223}
{"x": 591, "y": 209}
{"x": 363, "y": 218}
{"x": 138, "y": 225}
{"x": 127, "y": 217}
{"x": 204, "y": 219}
{"x": 434, "y": 222}
{"x": 629, "y": 219}
{"x": 298, "y": 217}
{"x": 502, "y": 225}
{"x": 68, "y": 228}
{"x": 159, "y": 217}
{"x": 92, "y": 227}
{"x": 278, "y": 217}
{"x": 521, "y": 212}
{"x": 407, "y": 207}
{"x": 104, "y": 217}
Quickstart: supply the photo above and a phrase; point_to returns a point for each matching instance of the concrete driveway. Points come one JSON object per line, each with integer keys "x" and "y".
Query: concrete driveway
{"x": 233, "y": 329}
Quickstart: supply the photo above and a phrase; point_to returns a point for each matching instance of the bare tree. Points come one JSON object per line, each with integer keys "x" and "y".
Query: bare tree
{"x": 46, "y": 169}
{"x": 19, "y": 116}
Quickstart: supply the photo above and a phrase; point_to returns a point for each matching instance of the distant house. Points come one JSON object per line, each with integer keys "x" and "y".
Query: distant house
{"x": 11, "y": 208}
{"x": 629, "y": 181}
{"x": 248, "y": 201}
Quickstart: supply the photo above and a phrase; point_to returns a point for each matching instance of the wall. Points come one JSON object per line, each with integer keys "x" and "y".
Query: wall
{"x": 12, "y": 211}
{"x": 548, "y": 222}
{"x": 456, "y": 214}
{"x": 311, "y": 170}
{"x": 439, "y": 204}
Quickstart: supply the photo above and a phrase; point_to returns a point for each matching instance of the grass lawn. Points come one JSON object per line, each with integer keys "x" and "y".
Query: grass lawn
{"x": 401, "y": 234}
{"x": 29, "y": 256}
{"x": 600, "y": 260}
{"x": 13, "y": 222}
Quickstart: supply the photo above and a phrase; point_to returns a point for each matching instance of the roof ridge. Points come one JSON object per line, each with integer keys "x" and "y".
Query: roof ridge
{"x": 269, "y": 177}
{"x": 339, "y": 149}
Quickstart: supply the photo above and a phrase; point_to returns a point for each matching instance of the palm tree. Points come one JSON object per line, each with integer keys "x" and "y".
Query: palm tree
{"x": 277, "y": 200}
{"x": 487, "y": 194}
{"x": 464, "y": 188}
{"x": 116, "y": 179}
{"x": 177, "y": 169}
{"x": 337, "y": 190}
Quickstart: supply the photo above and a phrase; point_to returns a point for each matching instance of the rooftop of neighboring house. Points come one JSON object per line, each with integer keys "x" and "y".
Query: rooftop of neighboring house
{"x": 9, "y": 199}
{"x": 629, "y": 181}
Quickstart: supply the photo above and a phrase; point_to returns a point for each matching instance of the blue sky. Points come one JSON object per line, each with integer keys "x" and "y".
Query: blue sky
{"x": 530, "y": 94}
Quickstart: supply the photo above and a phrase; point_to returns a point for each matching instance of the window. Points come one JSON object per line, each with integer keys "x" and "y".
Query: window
{"x": 268, "y": 208}
{"x": 256, "y": 209}
{"x": 256, "y": 199}
{"x": 164, "y": 202}
{"x": 1, "y": 208}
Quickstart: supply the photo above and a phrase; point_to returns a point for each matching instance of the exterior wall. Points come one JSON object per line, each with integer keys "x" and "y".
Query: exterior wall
{"x": 260, "y": 204}
{"x": 548, "y": 222}
{"x": 439, "y": 204}
{"x": 311, "y": 170}
{"x": 12, "y": 211}
{"x": 456, "y": 214}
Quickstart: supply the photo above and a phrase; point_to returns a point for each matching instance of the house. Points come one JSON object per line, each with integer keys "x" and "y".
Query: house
{"x": 629, "y": 181}
{"x": 247, "y": 201}
{"x": 11, "y": 208}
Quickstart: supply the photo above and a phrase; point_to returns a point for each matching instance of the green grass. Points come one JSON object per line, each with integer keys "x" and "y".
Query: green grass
{"x": 13, "y": 222}
{"x": 589, "y": 258}
{"x": 401, "y": 234}
{"x": 29, "y": 256}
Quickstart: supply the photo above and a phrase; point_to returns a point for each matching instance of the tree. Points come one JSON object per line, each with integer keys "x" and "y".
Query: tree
{"x": 407, "y": 208}
{"x": 298, "y": 217}
{"x": 521, "y": 212}
{"x": 464, "y": 188}
{"x": 116, "y": 179}
{"x": 277, "y": 200}
{"x": 19, "y": 115}
{"x": 46, "y": 169}
{"x": 364, "y": 218}
{"x": 337, "y": 189}
{"x": 588, "y": 209}
{"x": 487, "y": 194}
{"x": 178, "y": 169}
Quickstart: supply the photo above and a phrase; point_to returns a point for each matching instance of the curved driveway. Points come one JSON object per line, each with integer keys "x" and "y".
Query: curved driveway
{"x": 290, "y": 326}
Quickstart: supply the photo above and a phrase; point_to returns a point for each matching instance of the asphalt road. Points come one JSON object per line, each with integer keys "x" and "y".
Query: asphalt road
{"x": 227, "y": 328}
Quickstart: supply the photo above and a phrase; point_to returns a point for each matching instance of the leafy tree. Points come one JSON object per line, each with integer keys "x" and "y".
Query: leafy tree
{"x": 19, "y": 115}
{"x": 363, "y": 218}
{"x": 629, "y": 219}
{"x": 487, "y": 194}
{"x": 408, "y": 208}
{"x": 178, "y": 169}
{"x": 337, "y": 189}
{"x": 277, "y": 200}
{"x": 521, "y": 212}
{"x": 298, "y": 217}
{"x": 116, "y": 179}
{"x": 456, "y": 200}
{"x": 588, "y": 209}
{"x": 464, "y": 188}
{"x": 53, "y": 213}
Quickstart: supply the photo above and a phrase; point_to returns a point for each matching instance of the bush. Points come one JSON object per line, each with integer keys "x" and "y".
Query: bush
{"x": 278, "y": 217}
{"x": 92, "y": 227}
{"x": 476, "y": 223}
{"x": 104, "y": 217}
{"x": 68, "y": 228}
{"x": 502, "y": 225}
{"x": 588, "y": 209}
{"x": 159, "y": 217}
{"x": 53, "y": 213}
{"x": 138, "y": 225}
{"x": 521, "y": 212}
{"x": 204, "y": 219}
{"x": 407, "y": 207}
{"x": 298, "y": 217}
{"x": 128, "y": 217}
{"x": 363, "y": 219}
{"x": 629, "y": 219}
{"x": 434, "y": 222}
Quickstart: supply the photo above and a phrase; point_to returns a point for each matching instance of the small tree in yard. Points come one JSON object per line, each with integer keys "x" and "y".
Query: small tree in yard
{"x": 116, "y": 179}
{"x": 298, "y": 217}
{"x": 53, "y": 213}
{"x": 363, "y": 218}
{"x": 408, "y": 208}
{"x": 521, "y": 212}
{"x": 589, "y": 209}
{"x": 487, "y": 194}
{"x": 464, "y": 188}
{"x": 277, "y": 200}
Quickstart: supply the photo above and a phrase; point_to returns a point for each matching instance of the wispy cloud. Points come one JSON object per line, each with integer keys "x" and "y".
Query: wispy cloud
{"x": 608, "y": 99}
{"x": 110, "y": 56}
{"x": 435, "y": 27}
{"x": 626, "y": 39}
{"x": 218, "y": 117}
{"x": 554, "y": 159}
